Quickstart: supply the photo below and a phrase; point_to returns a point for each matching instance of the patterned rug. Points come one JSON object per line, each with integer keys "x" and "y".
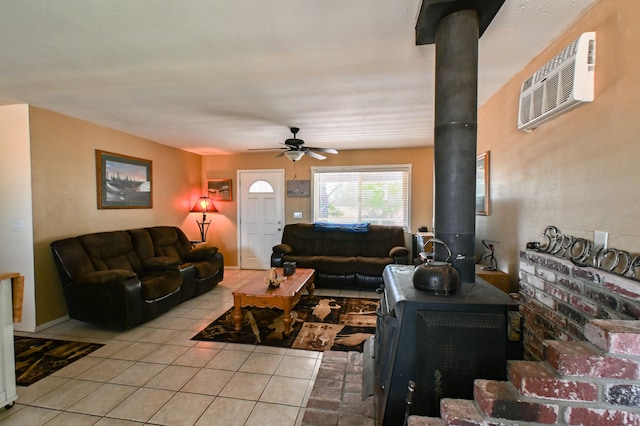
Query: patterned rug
{"x": 36, "y": 358}
{"x": 320, "y": 323}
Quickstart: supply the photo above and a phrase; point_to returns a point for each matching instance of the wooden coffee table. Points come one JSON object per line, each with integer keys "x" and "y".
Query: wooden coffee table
{"x": 285, "y": 297}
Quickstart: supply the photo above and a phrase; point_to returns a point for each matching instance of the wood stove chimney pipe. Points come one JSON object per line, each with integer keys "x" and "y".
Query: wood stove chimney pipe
{"x": 455, "y": 27}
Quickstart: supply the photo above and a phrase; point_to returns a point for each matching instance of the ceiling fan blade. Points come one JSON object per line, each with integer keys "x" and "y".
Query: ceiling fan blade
{"x": 326, "y": 150}
{"x": 315, "y": 155}
{"x": 280, "y": 155}
{"x": 265, "y": 149}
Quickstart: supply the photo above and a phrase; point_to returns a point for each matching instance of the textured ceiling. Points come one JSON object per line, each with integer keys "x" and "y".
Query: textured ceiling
{"x": 216, "y": 77}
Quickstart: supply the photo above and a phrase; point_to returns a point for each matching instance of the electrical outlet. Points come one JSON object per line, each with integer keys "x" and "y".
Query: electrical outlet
{"x": 297, "y": 215}
{"x": 600, "y": 238}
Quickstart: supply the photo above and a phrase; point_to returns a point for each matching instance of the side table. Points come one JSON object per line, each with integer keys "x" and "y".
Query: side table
{"x": 496, "y": 278}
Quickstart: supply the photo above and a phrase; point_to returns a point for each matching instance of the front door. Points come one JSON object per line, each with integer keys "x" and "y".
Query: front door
{"x": 261, "y": 213}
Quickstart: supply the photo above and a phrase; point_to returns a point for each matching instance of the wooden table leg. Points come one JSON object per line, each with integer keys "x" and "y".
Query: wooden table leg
{"x": 286, "y": 319}
{"x": 311, "y": 286}
{"x": 237, "y": 313}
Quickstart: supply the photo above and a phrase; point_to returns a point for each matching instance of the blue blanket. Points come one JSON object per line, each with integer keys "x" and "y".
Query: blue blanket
{"x": 346, "y": 227}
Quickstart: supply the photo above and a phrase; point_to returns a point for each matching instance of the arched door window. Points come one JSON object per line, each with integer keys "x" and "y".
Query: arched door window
{"x": 260, "y": 186}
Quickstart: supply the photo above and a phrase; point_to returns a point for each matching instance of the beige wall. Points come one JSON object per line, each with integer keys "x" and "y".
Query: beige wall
{"x": 580, "y": 171}
{"x": 63, "y": 182}
{"x": 224, "y": 233}
{"x": 16, "y": 250}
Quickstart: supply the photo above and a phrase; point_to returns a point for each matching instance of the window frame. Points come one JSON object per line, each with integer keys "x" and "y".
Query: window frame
{"x": 405, "y": 168}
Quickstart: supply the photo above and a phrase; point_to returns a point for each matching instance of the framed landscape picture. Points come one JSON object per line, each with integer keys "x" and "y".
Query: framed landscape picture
{"x": 123, "y": 182}
{"x": 220, "y": 189}
{"x": 482, "y": 184}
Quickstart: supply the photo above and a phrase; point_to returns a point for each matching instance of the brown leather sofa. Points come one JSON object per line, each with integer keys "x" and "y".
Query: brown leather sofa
{"x": 124, "y": 278}
{"x": 343, "y": 256}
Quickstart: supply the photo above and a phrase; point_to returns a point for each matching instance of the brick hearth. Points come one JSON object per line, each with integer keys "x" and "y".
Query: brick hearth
{"x": 336, "y": 398}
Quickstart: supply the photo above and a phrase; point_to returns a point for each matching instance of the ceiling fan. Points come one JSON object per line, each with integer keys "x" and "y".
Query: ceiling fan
{"x": 295, "y": 149}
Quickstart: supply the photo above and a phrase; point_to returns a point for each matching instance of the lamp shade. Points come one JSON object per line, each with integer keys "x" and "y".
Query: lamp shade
{"x": 294, "y": 155}
{"x": 204, "y": 205}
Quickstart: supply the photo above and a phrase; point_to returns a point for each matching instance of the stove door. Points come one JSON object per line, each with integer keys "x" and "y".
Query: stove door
{"x": 454, "y": 349}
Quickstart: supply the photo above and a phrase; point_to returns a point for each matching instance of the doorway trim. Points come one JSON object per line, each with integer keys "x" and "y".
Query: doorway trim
{"x": 240, "y": 198}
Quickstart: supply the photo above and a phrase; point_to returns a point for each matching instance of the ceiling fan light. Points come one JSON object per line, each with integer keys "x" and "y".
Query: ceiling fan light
{"x": 294, "y": 155}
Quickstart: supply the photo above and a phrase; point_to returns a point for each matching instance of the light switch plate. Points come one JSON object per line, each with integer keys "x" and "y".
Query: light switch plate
{"x": 297, "y": 215}
{"x": 18, "y": 225}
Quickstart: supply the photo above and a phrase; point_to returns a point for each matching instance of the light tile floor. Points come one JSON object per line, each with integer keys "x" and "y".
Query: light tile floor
{"x": 155, "y": 374}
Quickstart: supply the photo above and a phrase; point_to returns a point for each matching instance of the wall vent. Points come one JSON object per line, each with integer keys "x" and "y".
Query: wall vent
{"x": 562, "y": 84}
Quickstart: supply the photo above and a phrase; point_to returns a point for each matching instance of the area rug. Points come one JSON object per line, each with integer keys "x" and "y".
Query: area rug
{"x": 36, "y": 358}
{"x": 320, "y": 323}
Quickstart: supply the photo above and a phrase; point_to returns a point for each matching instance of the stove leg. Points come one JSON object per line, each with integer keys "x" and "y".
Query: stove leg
{"x": 410, "y": 391}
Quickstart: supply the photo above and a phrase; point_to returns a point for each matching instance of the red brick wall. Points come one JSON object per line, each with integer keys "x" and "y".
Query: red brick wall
{"x": 559, "y": 298}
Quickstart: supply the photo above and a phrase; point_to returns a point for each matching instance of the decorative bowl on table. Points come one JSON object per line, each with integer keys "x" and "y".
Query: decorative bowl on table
{"x": 273, "y": 280}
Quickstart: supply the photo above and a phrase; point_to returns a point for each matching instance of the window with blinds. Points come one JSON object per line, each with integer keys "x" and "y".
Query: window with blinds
{"x": 375, "y": 194}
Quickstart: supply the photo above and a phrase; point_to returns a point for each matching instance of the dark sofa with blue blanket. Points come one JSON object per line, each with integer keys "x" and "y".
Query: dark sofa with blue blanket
{"x": 344, "y": 256}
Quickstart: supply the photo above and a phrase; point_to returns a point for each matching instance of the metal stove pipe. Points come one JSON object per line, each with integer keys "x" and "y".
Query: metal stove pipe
{"x": 455, "y": 26}
{"x": 456, "y": 110}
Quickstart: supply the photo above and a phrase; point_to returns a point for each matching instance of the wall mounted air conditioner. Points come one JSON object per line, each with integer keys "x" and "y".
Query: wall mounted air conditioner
{"x": 562, "y": 84}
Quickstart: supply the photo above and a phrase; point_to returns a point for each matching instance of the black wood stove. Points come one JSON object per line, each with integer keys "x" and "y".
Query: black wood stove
{"x": 439, "y": 343}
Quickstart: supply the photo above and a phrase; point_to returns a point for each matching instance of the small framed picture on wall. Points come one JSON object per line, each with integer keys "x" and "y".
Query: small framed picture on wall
{"x": 220, "y": 189}
{"x": 298, "y": 188}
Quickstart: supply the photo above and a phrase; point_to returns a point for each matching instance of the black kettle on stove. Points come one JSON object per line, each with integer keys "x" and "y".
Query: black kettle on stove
{"x": 435, "y": 276}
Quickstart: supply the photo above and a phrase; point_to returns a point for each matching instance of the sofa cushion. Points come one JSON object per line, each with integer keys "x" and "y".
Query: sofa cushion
{"x": 160, "y": 263}
{"x": 169, "y": 241}
{"x": 336, "y": 265}
{"x": 111, "y": 250}
{"x": 207, "y": 269}
{"x": 371, "y": 265}
{"x": 338, "y": 243}
{"x": 142, "y": 243}
{"x": 303, "y": 239}
{"x": 380, "y": 240}
{"x": 159, "y": 284}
